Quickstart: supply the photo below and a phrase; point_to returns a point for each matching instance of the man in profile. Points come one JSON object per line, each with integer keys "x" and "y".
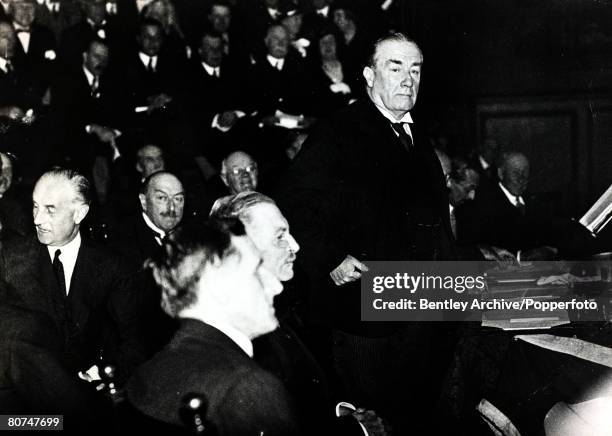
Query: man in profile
{"x": 213, "y": 280}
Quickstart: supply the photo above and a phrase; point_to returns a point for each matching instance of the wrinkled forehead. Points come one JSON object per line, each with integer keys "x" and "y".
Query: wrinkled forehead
{"x": 239, "y": 160}
{"x": 167, "y": 184}
{"x": 53, "y": 190}
{"x": 401, "y": 51}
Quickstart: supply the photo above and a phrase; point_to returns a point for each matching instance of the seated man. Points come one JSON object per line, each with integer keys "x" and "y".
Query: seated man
{"x": 502, "y": 217}
{"x": 239, "y": 173}
{"x": 213, "y": 280}
{"x": 162, "y": 200}
{"x": 281, "y": 351}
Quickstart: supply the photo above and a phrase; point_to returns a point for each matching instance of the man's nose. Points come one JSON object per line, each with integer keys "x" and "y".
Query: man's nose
{"x": 293, "y": 245}
{"x": 38, "y": 217}
{"x": 407, "y": 80}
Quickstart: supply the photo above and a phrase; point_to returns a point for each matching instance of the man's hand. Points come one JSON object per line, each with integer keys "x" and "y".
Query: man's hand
{"x": 158, "y": 102}
{"x": 373, "y": 423}
{"x": 104, "y": 134}
{"x": 348, "y": 271}
{"x": 13, "y": 112}
{"x": 227, "y": 119}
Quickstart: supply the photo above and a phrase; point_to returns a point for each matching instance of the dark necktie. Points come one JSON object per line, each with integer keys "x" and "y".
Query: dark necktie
{"x": 520, "y": 205}
{"x": 58, "y": 268}
{"x": 403, "y": 136}
{"x": 95, "y": 83}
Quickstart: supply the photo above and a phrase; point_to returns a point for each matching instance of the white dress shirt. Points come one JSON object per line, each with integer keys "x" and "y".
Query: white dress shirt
{"x": 68, "y": 257}
{"x": 145, "y": 60}
{"x": 324, "y": 12}
{"x": 511, "y": 197}
{"x": 153, "y": 227}
{"x": 235, "y": 335}
{"x": 3, "y": 64}
{"x": 212, "y": 71}
{"x": 24, "y": 37}
{"x": 407, "y": 118}
{"x": 276, "y": 63}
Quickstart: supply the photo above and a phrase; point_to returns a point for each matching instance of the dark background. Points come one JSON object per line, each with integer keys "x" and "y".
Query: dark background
{"x": 533, "y": 74}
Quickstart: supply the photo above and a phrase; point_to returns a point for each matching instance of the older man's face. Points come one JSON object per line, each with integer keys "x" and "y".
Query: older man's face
{"x": 465, "y": 190}
{"x": 277, "y": 42}
{"x": 220, "y": 18}
{"x": 24, "y": 12}
{"x": 241, "y": 173}
{"x": 57, "y": 211}
{"x": 211, "y": 50}
{"x": 393, "y": 83}
{"x": 150, "y": 160}
{"x": 96, "y": 58}
{"x": 514, "y": 175}
{"x": 245, "y": 289}
{"x": 150, "y": 39}
{"x": 269, "y": 231}
{"x": 164, "y": 201}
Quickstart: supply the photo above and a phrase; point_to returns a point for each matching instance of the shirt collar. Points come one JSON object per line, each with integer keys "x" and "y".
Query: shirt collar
{"x": 451, "y": 208}
{"x": 274, "y": 61}
{"x": 92, "y": 24}
{"x": 407, "y": 118}
{"x": 511, "y": 197}
{"x": 3, "y": 63}
{"x": 152, "y": 226}
{"x": 19, "y": 27}
{"x": 69, "y": 251}
{"x": 483, "y": 163}
{"x": 90, "y": 77}
{"x": 324, "y": 11}
{"x": 145, "y": 59}
{"x": 235, "y": 335}
{"x": 210, "y": 70}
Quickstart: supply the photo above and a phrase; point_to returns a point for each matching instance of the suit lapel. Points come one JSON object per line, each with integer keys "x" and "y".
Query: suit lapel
{"x": 81, "y": 285}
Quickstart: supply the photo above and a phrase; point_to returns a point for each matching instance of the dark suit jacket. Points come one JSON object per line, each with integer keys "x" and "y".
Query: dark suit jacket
{"x": 74, "y": 107}
{"x": 242, "y": 398}
{"x": 286, "y": 90}
{"x": 493, "y": 220}
{"x": 98, "y": 319}
{"x": 76, "y": 38}
{"x": 354, "y": 189}
{"x": 41, "y": 40}
{"x": 136, "y": 243}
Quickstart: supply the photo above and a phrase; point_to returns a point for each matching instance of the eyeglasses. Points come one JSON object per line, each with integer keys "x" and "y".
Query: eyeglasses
{"x": 248, "y": 169}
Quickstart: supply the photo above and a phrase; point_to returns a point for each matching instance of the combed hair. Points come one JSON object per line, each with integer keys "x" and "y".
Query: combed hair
{"x": 80, "y": 183}
{"x": 238, "y": 205}
{"x": 177, "y": 268}
{"x": 391, "y": 36}
{"x": 144, "y": 186}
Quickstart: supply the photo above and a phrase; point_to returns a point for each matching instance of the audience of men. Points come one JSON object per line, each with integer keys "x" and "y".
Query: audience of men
{"x": 214, "y": 281}
{"x": 153, "y": 107}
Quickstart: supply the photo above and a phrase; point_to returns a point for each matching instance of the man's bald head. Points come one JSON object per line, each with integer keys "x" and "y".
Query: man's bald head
{"x": 239, "y": 172}
{"x": 513, "y": 172}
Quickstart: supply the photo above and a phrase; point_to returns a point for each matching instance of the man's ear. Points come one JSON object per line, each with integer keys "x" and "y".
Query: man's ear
{"x": 368, "y": 74}
{"x": 143, "y": 201}
{"x": 139, "y": 167}
{"x": 80, "y": 213}
{"x": 500, "y": 174}
{"x": 224, "y": 178}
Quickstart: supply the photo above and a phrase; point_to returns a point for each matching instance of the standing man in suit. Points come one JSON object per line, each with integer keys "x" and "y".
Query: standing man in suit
{"x": 36, "y": 42}
{"x": 82, "y": 287}
{"x": 367, "y": 186}
{"x": 214, "y": 281}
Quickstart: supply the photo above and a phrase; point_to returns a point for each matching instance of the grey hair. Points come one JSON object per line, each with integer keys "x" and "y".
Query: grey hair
{"x": 79, "y": 182}
{"x": 238, "y": 205}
